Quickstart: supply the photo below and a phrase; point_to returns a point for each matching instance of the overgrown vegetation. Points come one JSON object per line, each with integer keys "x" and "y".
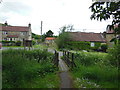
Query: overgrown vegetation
{"x": 35, "y": 36}
{"x": 94, "y": 70}
{"x": 114, "y": 55}
{"x": 64, "y": 37}
{"x": 28, "y": 69}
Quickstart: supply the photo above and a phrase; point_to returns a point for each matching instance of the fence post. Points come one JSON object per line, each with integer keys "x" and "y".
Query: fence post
{"x": 68, "y": 59}
{"x": 72, "y": 59}
{"x": 57, "y": 59}
{"x": 65, "y": 56}
{"x": 73, "y": 63}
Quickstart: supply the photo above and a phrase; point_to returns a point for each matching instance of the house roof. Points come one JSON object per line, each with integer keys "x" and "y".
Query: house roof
{"x": 14, "y": 28}
{"x": 84, "y": 36}
{"x": 49, "y": 38}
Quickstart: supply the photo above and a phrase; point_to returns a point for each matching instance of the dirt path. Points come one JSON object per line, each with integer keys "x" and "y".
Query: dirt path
{"x": 66, "y": 81}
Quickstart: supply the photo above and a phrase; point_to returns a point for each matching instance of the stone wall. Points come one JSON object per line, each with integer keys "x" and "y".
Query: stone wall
{"x": 108, "y": 38}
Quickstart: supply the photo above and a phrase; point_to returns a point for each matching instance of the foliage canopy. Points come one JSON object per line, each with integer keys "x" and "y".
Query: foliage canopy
{"x": 107, "y": 10}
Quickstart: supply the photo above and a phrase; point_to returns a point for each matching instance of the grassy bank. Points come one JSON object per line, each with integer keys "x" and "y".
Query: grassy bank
{"x": 94, "y": 71}
{"x": 28, "y": 69}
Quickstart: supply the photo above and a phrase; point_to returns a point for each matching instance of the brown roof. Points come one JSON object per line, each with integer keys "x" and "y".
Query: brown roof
{"x": 14, "y": 28}
{"x": 84, "y": 36}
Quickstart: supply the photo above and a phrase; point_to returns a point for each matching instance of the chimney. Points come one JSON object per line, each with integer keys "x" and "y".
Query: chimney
{"x": 104, "y": 34}
{"x": 29, "y": 25}
{"x": 30, "y": 32}
{"x": 6, "y": 24}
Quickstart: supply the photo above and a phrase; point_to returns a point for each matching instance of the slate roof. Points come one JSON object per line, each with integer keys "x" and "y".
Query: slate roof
{"x": 85, "y": 36}
{"x": 14, "y": 28}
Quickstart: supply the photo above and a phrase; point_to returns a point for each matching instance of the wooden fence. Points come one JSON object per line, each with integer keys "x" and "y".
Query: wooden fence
{"x": 56, "y": 58}
{"x": 68, "y": 57}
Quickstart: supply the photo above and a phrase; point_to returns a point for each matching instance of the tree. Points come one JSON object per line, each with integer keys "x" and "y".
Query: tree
{"x": 49, "y": 33}
{"x": 106, "y": 10}
{"x": 64, "y": 36}
{"x": 35, "y": 36}
{"x": 43, "y": 37}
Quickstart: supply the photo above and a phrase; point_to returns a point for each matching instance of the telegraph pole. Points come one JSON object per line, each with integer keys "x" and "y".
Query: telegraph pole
{"x": 41, "y": 30}
{"x": 41, "y": 26}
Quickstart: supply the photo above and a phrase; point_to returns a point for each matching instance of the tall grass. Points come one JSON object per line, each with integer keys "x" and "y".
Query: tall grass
{"x": 94, "y": 68}
{"x": 21, "y": 69}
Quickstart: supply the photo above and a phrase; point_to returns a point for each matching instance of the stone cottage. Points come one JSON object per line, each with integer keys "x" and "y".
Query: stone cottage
{"x": 15, "y": 33}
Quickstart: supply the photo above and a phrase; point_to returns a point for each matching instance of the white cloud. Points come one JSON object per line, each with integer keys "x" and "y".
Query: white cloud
{"x": 53, "y": 13}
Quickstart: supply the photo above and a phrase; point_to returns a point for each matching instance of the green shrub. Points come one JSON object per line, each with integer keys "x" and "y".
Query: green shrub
{"x": 104, "y": 47}
{"x": 114, "y": 55}
{"x": 33, "y": 42}
{"x": 75, "y": 45}
{"x": 18, "y": 43}
{"x": 8, "y": 43}
{"x": 21, "y": 67}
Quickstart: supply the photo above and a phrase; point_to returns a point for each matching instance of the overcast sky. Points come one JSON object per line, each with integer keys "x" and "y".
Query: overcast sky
{"x": 53, "y": 13}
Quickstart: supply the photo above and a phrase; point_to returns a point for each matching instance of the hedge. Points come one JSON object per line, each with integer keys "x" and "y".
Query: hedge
{"x": 81, "y": 45}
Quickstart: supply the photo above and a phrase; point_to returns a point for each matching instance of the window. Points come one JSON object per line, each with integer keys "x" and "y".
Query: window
{"x": 4, "y": 32}
{"x": 23, "y": 33}
{"x": 5, "y": 39}
{"x": 92, "y": 44}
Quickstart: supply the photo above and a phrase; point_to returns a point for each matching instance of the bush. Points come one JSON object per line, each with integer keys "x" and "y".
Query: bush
{"x": 114, "y": 55}
{"x": 33, "y": 42}
{"x": 8, "y": 43}
{"x": 18, "y": 43}
{"x": 104, "y": 47}
{"x": 75, "y": 45}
